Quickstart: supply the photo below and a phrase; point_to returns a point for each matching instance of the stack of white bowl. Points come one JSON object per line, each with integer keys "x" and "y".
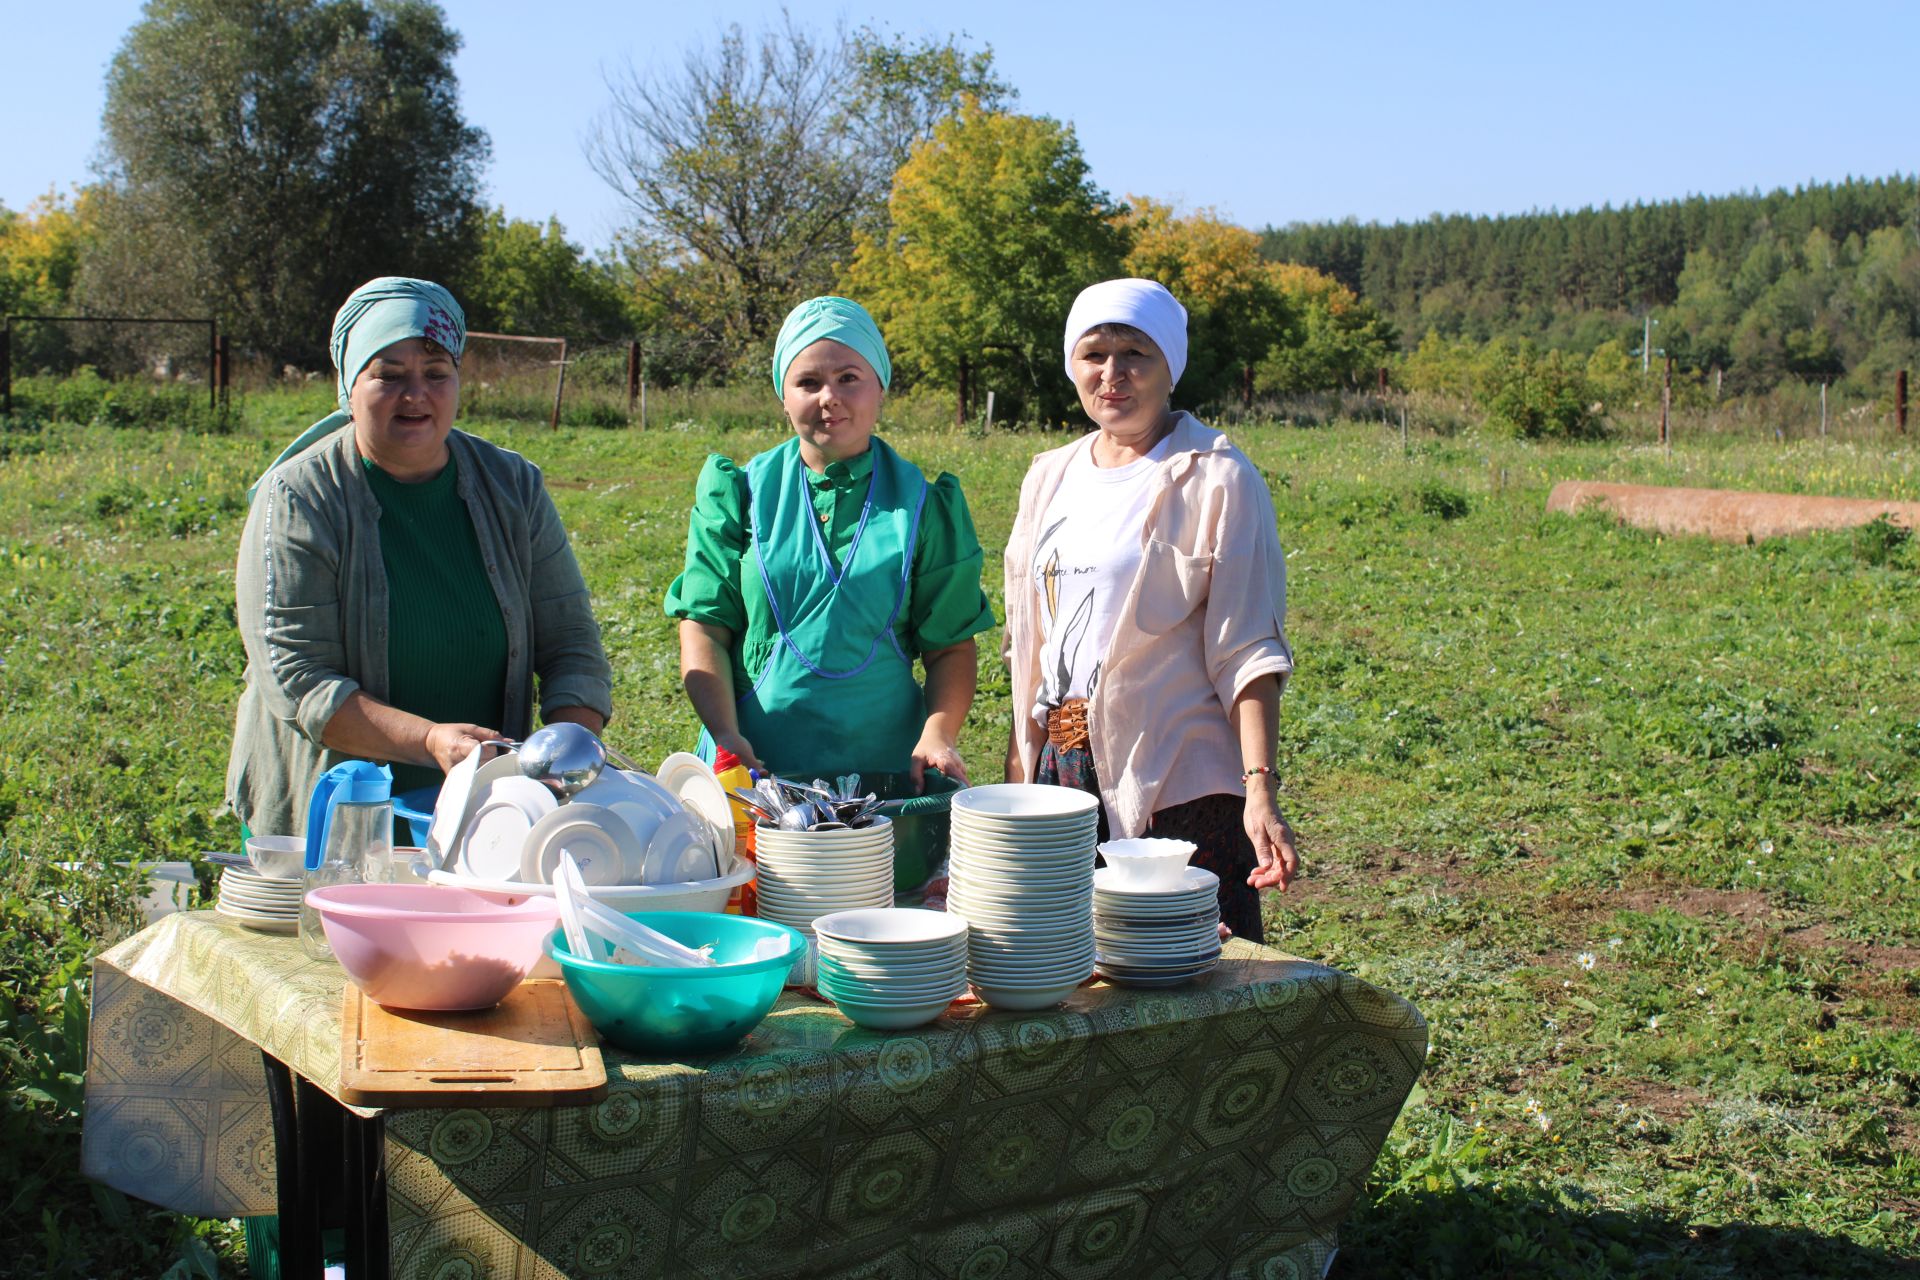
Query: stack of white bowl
{"x": 270, "y": 904}
{"x": 893, "y": 967}
{"x": 1156, "y": 935}
{"x": 1021, "y": 875}
{"x": 803, "y": 875}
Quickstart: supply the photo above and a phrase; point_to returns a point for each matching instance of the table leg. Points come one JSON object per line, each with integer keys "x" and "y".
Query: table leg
{"x": 332, "y": 1173}
{"x": 300, "y": 1257}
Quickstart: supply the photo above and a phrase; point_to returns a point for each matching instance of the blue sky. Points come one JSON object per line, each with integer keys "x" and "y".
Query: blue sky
{"x": 1270, "y": 112}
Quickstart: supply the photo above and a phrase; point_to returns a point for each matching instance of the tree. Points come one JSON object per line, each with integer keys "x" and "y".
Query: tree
{"x": 1335, "y": 340}
{"x": 1235, "y": 311}
{"x": 40, "y": 253}
{"x": 749, "y": 171}
{"x": 264, "y": 157}
{"x": 528, "y": 279}
{"x": 994, "y": 226}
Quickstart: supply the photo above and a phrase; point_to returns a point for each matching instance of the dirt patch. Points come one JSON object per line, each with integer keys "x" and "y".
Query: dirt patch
{"x": 1872, "y": 956}
{"x": 1670, "y": 1102}
{"x": 1741, "y": 904}
{"x": 1376, "y": 863}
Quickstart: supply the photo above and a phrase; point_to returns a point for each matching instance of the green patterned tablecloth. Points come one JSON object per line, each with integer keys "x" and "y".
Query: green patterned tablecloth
{"x": 1220, "y": 1128}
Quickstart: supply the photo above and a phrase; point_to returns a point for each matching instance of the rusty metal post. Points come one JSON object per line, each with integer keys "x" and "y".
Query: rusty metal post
{"x": 6, "y": 370}
{"x": 1900, "y": 402}
{"x": 1246, "y": 386}
{"x": 633, "y": 376}
{"x": 213, "y": 365}
{"x": 960, "y": 410}
{"x": 1666, "y": 405}
{"x": 1382, "y": 380}
{"x": 559, "y": 385}
{"x": 223, "y": 367}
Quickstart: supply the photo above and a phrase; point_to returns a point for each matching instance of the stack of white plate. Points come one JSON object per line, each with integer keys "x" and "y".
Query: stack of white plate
{"x": 1156, "y": 937}
{"x": 1021, "y": 876}
{"x": 892, "y": 967}
{"x": 266, "y": 903}
{"x": 803, "y": 875}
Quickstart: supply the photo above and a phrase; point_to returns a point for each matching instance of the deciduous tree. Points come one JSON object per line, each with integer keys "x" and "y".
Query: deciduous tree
{"x": 749, "y": 170}
{"x": 994, "y": 226}
{"x": 263, "y": 157}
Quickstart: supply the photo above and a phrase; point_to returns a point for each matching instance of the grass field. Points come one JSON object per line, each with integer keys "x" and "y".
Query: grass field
{"x": 1634, "y": 821}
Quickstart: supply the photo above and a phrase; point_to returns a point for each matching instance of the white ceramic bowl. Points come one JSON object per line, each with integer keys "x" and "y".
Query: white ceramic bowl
{"x": 1149, "y": 863}
{"x": 894, "y": 925}
{"x": 278, "y": 857}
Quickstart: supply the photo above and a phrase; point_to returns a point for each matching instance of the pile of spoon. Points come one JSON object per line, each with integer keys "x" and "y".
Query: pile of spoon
{"x": 797, "y": 806}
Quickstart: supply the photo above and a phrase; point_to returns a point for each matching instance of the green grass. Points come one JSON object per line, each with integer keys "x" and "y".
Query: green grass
{"x": 1513, "y": 740}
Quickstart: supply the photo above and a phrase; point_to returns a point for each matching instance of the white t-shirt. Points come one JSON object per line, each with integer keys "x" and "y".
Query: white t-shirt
{"x": 1084, "y": 563}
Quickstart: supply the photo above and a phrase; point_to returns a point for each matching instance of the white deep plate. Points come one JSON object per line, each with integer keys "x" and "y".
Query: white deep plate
{"x": 493, "y": 843}
{"x": 601, "y": 844}
{"x": 891, "y": 926}
{"x": 1004, "y": 997}
{"x": 691, "y": 779}
{"x": 1025, "y": 800}
{"x": 262, "y": 924}
{"x": 683, "y": 846}
{"x": 1110, "y": 880}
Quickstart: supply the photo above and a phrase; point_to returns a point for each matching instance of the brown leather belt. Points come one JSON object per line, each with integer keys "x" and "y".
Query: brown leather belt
{"x": 1067, "y": 725}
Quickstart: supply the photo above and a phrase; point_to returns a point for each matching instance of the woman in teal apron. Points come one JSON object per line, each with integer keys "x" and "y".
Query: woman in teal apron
{"x": 821, "y": 571}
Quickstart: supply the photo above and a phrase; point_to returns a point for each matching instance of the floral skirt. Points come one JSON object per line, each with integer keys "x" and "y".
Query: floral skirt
{"x": 1214, "y": 824}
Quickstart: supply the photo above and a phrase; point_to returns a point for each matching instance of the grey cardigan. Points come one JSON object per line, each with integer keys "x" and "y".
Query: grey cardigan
{"x": 311, "y": 602}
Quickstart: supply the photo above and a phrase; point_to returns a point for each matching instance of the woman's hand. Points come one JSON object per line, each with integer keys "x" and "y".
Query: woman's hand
{"x": 936, "y": 751}
{"x": 740, "y": 747}
{"x": 449, "y": 744}
{"x": 1278, "y": 862}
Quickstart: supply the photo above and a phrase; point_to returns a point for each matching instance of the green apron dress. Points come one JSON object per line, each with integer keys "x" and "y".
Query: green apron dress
{"x": 838, "y": 693}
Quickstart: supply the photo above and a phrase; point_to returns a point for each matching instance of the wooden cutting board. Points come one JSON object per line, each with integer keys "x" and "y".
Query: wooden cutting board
{"x": 533, "y": 1049}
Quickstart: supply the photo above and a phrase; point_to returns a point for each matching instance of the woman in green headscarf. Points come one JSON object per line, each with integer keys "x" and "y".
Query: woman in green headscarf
{"x": 819, "y": 572}
{"x": 401, "y": 586}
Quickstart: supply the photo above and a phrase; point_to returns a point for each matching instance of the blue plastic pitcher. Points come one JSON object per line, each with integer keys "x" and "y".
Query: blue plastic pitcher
{"x": 349, "y": 838}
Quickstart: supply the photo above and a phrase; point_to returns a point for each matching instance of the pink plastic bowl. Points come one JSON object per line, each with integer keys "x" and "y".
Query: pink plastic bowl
{"x": 429, "y": 946}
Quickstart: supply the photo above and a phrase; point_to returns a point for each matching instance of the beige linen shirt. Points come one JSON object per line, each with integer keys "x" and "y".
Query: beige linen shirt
{"x": 1204, "y": 618}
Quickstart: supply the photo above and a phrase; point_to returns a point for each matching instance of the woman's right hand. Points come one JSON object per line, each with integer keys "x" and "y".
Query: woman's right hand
{"x": 449, "y": 744}
{"x": 740, "y": 747}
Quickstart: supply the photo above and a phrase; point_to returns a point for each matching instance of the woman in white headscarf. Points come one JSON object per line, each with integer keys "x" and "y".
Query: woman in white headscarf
{"x": 1146, "y": 599}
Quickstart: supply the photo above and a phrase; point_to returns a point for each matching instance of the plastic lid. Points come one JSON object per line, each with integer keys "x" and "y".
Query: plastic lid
{"x": 724, "y": 760}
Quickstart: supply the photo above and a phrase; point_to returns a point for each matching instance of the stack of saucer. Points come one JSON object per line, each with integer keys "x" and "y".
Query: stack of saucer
{"x": 804, "y": 875}
{"x": 1021, "y": 876}
{"x": 1156, "y": 937}
{"x": 893, "y": 967}
{"x": 267, "y": 903}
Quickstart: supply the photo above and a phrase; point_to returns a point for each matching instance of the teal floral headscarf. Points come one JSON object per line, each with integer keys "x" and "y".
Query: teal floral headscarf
{"x": 375, "y": 316}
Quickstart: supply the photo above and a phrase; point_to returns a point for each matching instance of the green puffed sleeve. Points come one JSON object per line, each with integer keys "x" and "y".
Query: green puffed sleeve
{"x": 708, "y": 588}
{"x": 947, "y": 604}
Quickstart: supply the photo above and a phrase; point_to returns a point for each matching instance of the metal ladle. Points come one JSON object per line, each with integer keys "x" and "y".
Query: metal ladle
{"x": 567, "y": 757}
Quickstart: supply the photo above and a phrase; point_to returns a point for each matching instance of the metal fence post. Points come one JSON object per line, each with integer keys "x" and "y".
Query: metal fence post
{"x": 633, "y": 376}
{"x": 6, "y": 370}
{"x": 1900, "y": 402}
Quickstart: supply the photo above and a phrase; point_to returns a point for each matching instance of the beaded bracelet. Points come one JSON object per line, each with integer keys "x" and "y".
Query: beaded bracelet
{"x": 1259, "y": 768}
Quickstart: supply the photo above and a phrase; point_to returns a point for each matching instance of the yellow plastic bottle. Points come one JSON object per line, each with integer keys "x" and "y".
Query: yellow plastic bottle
{"x": 731, "y": 773}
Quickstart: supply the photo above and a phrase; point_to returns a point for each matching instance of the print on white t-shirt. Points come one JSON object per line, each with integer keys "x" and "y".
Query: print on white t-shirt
{"x": 1084, "y": 563}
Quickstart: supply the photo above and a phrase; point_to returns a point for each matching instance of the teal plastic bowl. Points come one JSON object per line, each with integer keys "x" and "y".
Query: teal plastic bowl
{"x": 678, "y": 1011}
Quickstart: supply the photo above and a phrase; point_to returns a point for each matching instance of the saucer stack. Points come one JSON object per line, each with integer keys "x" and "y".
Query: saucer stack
{"x": 1021, "y": 876}
{"x": 266, "y": 903}
{"x": 1156, "y": 937}
{"x": 804, "y": 875}
{"x": 894, "y": 967}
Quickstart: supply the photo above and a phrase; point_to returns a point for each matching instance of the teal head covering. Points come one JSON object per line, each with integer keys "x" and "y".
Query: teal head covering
{"x": 843, "y": 320}
{"x": 375, "y": 316}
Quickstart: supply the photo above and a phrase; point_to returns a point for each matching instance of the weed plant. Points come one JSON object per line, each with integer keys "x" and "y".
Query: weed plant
{"x": 1634, "y": 820}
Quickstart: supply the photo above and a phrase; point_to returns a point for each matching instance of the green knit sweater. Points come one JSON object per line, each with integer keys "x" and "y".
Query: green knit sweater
{"x": 446, "y": 643}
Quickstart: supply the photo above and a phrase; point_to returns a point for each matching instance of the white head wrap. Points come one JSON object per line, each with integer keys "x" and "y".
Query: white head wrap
{"x": 1145, "y": 305}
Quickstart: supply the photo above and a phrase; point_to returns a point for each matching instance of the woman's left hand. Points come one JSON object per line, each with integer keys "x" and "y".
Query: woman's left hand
{"x": 936, "y": 752}
{"x": 1273, "y": 850}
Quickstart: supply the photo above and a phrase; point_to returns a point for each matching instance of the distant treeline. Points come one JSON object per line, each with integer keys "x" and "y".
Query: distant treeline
{"x": 1818, "y": 283}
